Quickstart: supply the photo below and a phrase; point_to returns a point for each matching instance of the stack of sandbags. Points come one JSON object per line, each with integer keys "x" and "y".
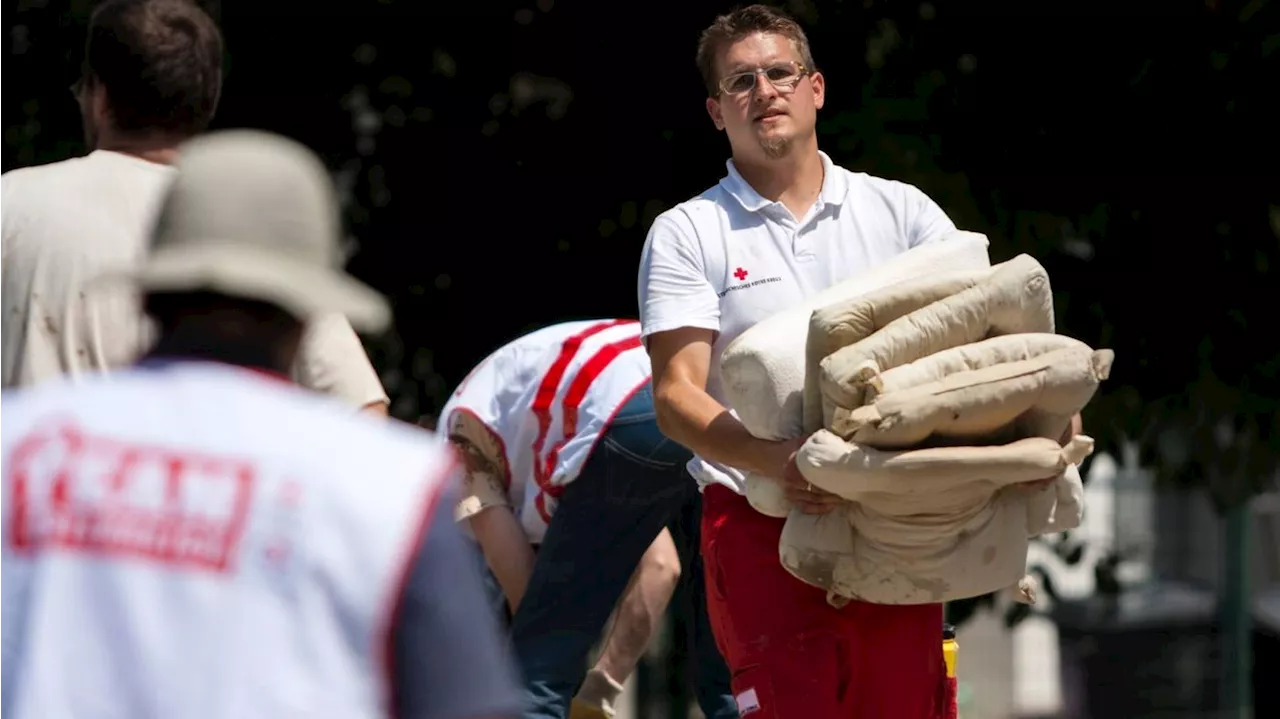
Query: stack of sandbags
{"x": 936, "y": 401}
{"x": 763, "y": 371}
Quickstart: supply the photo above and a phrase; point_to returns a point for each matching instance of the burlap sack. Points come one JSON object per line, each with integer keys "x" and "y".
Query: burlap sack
{"x": 1016, "y": 297}
{"x": 488, "y": 474}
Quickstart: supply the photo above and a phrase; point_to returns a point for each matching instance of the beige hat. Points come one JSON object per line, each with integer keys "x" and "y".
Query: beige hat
{"x": 253, "y": 214}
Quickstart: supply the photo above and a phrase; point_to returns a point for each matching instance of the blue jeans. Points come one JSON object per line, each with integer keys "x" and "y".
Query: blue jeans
{"x": 633, "y": 485}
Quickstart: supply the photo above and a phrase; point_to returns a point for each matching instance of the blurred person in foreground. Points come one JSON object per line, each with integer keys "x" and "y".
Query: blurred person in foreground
{"x": 195, "y": 536}
{"x": 151, "y": 78}
{"x": 783, "y": 224}
{"x": 572, "y": 493}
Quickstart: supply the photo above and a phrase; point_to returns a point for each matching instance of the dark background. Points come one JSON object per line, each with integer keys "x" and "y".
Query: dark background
{"x": 503, "y": 160}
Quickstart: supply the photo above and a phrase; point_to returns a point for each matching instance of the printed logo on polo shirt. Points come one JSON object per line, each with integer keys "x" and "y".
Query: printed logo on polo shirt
{"x": 745, "y": 281}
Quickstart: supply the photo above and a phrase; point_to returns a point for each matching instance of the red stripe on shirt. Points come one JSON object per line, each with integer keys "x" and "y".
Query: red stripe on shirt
{"x": 546, "y": 395}
{"x": 577, "y": 392}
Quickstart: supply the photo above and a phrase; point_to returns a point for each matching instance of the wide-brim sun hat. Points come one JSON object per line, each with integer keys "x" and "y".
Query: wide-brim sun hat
{"x": 255, "y": 215}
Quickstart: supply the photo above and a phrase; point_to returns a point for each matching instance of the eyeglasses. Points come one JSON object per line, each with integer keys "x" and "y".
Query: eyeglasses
{"x": 782, "y": 76}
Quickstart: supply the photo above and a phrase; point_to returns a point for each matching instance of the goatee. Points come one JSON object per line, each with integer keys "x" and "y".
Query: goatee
{"x": 775, "y": 147}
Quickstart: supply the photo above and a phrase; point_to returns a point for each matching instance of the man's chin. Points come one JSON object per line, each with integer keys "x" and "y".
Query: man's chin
{"x": 775, "y": 146}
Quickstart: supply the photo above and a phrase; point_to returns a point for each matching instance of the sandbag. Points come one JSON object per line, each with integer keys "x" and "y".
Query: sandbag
{"x": 839, "y": 325}
{"x": 762, "y": 370}
{"x": 487, "y": 472}
{"x": 926, "y": 525}
{"x": 1014, "y": 298}
{"x": 973, "y": 404}
{"x": 1060, "y": 509}
{"x": 988, "y": 549}
{"x": 857, "y": 472}
{"x": 976, "y": 355}
{"x": 766, "y": 496}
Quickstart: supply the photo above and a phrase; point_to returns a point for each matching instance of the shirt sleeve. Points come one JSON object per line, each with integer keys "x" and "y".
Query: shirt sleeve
{"x": 673, "y": 286}
{"x": 332, "y": 361}
{"x": 926, "y": 222}
{"x": 452, "y": 660}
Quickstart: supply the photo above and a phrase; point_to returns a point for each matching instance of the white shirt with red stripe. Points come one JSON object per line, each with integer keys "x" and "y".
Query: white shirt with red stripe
{"x": 547, "y": 397}
{"x": 198, "y": 540}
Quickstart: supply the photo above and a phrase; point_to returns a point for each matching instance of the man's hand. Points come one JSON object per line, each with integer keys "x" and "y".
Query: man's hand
{"x": 799, "y": 491}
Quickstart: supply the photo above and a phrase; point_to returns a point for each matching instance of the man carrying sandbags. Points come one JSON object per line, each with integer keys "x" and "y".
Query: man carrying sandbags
{"x": 564, "y": 455}
{"x": 784, "y": 224}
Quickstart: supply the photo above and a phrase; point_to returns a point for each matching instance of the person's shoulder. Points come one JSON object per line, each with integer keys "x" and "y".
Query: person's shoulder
{"x": 714, "y": 199}
{"x": 57, "y": 389}
{"x": 688, "y": 221}
{"x": 35, "y": 188}
{"x": 343, "y": 435}
{"x": 24, "y": 179}
{"x": 867, "y": 186}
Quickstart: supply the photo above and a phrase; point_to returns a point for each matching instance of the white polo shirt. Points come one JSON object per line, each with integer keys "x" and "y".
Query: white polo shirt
{"x": 546, "y": 398}
{"x": 65, "y": 223}
{"x": 729, "y": 258}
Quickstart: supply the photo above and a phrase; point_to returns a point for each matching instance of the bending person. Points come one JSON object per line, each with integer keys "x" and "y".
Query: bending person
{"x": 564, "y": 453}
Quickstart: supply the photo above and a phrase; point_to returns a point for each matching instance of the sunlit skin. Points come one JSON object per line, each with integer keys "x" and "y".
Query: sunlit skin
{"x": 767, "y": 123}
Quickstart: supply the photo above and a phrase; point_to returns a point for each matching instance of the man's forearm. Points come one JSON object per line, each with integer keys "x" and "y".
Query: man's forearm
{"x": 641, "y": 608}
{"x": 690, "y": 416}
{"x": 506, "y": 551}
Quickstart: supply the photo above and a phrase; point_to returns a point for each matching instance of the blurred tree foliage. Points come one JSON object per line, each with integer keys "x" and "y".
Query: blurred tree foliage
{"x": 501, "y": 163}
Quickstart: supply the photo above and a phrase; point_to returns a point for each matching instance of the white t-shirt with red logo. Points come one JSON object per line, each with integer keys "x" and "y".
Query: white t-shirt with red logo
{"x": 200, "y": 540}
{"x": 729, "y": 258}
{"x": 547, "y": 397}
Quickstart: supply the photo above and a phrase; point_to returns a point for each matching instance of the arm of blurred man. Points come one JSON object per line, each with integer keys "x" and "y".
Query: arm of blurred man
{"x": 485, "y": 506}
{"x": 450, "y": 658}
{"x": 641, "y": 608}
{"x": 332, "y": 361}
{"x": 506, "y": 550}
{"x": 680, "y": 312}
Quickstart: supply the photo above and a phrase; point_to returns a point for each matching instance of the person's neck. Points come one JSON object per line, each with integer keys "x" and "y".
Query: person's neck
{"x": 160, "y": 149}
{"x": 794, "y": 180}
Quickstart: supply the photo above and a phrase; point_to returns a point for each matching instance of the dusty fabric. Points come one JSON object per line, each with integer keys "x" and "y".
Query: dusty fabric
{"x": 976, "y": 404}
{"x": 484, "y": 481}
{"x": 840, "y": 325}
{"x": 1014, "y": 298}
{"x": 939, "y": 400}
{"x": 763, "y": 370}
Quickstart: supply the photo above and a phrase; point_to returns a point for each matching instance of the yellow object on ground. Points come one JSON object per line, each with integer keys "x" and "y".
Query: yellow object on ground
{"x": 579, "y": 709}
{"x": 950, "y": 648}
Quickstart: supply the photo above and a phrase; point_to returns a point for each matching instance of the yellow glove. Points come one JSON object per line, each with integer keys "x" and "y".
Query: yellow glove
{"x": 579, "y": 709}
{"x": 597, "y": 697}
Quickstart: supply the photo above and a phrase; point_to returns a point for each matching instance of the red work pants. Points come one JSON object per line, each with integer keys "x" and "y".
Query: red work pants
{"x": 793, "y": 655}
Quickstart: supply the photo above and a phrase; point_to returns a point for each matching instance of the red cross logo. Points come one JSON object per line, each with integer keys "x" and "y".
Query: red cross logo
{"x": 740, "y": 273}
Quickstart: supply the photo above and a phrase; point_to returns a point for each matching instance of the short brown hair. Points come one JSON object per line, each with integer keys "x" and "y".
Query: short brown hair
{"x": 728, "y": 29}
{"x": 160, "y": 62}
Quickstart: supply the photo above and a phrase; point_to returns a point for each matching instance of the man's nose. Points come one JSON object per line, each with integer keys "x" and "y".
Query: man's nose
{"x": 764, "y": 91}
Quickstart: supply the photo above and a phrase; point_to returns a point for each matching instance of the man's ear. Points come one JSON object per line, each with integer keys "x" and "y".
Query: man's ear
{"x": 713, "y": 109}
{"x": 99, "y": 104}
{"x": 819, "y": 89}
